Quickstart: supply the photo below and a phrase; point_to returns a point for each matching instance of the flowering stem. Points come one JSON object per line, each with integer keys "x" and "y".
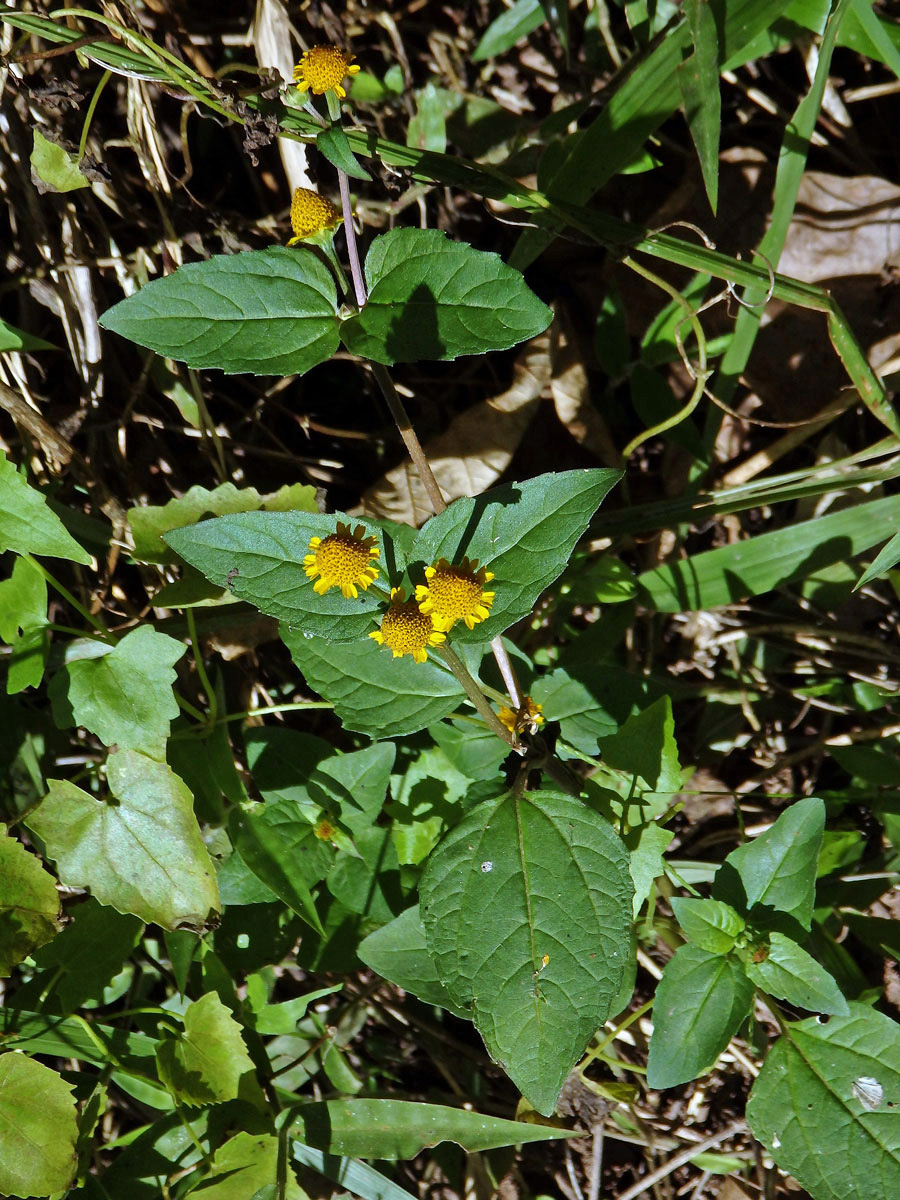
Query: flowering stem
{"x": 475, "y": 694}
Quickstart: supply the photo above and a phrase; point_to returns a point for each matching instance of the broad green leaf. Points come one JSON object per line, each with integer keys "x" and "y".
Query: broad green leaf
{"x": 282, "y": 760}
{"x": 244, "y": 1166}
{"x": 27, "y": 525}
{"x": 430, "y": 298}
{"x": 368, "y": 883}
{"x": 393, "y": 1129}
{"x": 645, "y": 747}
{"x": 23, "y": 617}
{"x": 373, "y": 692}
{"x": 523, "y": 532}
{"x": 710, "y": 924}
{"x": 527, "y": 913}
{"x": 283, "y": 1018}
{"x": 700, "y": 1002}
{"x": 425, "y": 800}
{"x": 269, "y": 312}
{"x": 770, "y": 560}
{"x": 280, "y": 847}
{"x": 54, "y": 165}
{"x": 825, "y": 1105}
{"x": 358, "y": 782}
{"x": 698, "y": 81}
{"x": 38, "y": 1129}
{"x": 143, "y": 853}
{"x": 398, "y": 952}
{"x": 259, "y": 556}
{"x": 777, "y": 870}
{"x": 789, "y": 973}
{"x": 38, "y": 1033}
{"x": 474, "y": 753}
{"x": 29, "y": 905}
{"x": 125, "y": 696}
{"x": 209, "y": 1063}
{"x": 504, "y": 31}
{"x": 150, "y": 522}
{"x": 89, "y": 952}
{"x": 591, "y": 701}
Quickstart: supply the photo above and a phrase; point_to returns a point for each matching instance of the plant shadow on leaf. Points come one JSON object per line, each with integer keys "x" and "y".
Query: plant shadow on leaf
{"x": 764, "y": 917}
{"x": 413, "y": 335}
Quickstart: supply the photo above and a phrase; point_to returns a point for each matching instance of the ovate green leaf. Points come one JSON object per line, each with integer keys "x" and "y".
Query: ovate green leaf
{"x": 825, "y": 1105}
{"x": 269, "y": 312}
{"x": 141, "y": 852}
{"x": 38, "y": 1129}
{"x": 700, "y": 1001}
{"x": 373, "y": 692}
{"x": 209, "y": 1063}
{"x": 23, "y": 618}
{"x": 89, "y": 952}
{"x": 527, "y": 913}
{"x": 259, "y": 556}
{"x": 27, "y": 525}
{"x": 645, "y": 746}
{"x": 29, "y": 905}
{"x": 398, "y": 952}
{"x": 523, "y": 532}
{"x": 777, "y": 870}
{"x": 430, "y": 298}
{"x": 710, "y": 924}
{"x": 787, "y": 972}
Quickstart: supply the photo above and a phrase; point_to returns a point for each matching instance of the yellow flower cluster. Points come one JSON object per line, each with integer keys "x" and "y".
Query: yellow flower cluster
{"x": 451, "y": 592}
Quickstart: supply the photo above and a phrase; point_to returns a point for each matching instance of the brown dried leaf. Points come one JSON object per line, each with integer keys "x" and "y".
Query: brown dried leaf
{"x": 570, "y": 390}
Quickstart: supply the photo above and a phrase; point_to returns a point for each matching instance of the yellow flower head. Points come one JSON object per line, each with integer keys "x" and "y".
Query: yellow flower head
{"x": 310, "y": 214}
{"x": 405, "y": 629}
{"x": 342, "y": 560}
{"x": 323, "y": 69}
{"x": 455, "y": 593}
{"x": 529, "y": 717}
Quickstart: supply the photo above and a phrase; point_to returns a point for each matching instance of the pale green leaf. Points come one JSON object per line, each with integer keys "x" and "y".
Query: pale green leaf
{"x": 38, "y": 1129}
{"x": 398, "y": 952}
{"x": 527, "y": 913}
{"x": 143, "y": 853}
{"x": 209, "y": 1063}
{"x": 243, "y": 1166}
{"x": 55, "y": 167}
{"x": 27, "y": 525}
{"x": 126, "y": 696}
{"x": 23, "y": 617}
{"x": 29, "y": 905}
{"x": 150, "y": 522}
{"x": 645, "y": 747}
{"x": 268, "y": 312}
{"x": 512, "y": 24}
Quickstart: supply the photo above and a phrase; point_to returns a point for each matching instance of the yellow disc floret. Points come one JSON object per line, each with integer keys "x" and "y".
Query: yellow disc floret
{"x": 455, "y": 593}
{"x": 323, "y": 69}
{"x": 528, "y": 718}
{"x": 405, "y": 629}
{"x": 311, "y": 214}
{"x": 343, "y": 560}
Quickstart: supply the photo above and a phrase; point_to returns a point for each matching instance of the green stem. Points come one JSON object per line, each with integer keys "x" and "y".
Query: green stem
{"x": 89, "y": 115}
{"x": 210, "y": 718}
{"x": 70, "y": 599}
{"x": 478, "y": 698}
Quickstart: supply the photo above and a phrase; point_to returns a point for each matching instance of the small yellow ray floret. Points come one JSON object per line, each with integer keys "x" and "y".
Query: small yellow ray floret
{"x": 343, "y": 560}
{"x": 405, "y": 629}
{"x": 529, "y": 717}
{"x": 455, "y": 593}
{"x": 311, "y": 214}
{"x": 323, "y": 69}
